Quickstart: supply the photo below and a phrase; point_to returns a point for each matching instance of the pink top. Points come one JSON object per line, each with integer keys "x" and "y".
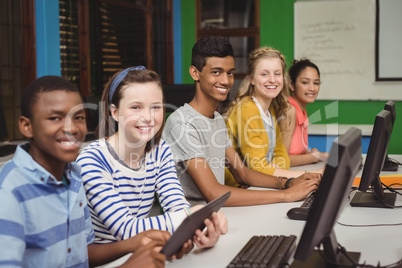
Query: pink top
{"x": 299, "y": 142}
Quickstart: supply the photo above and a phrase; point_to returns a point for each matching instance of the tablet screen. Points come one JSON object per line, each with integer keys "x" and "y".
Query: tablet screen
{"x": 190, "y": 224}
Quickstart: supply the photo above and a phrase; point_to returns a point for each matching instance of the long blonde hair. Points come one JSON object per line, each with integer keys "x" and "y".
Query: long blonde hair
{"x": 279, "y": 103}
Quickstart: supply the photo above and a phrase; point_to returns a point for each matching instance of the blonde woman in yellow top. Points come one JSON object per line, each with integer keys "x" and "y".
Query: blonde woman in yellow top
{"x": 253, "y": 118}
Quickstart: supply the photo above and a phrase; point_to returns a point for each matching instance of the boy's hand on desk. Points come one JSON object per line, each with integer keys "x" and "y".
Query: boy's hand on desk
{"x": 301, "y": 186}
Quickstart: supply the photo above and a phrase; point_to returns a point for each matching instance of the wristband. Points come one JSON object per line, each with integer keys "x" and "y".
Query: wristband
{"x": 287, "y": 183}
{"x": 188, "y": 212}
{"x": 279, "y": 182}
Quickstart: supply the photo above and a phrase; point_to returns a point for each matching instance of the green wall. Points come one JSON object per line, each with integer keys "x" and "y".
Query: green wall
{"x": 277, "y": 31}
{"x": 188, "y": 36}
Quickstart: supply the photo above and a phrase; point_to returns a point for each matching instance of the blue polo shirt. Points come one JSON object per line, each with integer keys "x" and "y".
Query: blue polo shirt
{"x": 43, "y": 222}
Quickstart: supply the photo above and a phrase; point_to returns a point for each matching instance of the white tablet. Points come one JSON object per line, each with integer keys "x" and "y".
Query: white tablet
{"x": 190, "y": 224}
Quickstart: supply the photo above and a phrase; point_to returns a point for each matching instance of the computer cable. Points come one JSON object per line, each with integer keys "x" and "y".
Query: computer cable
{"x": 351, "y": 191}
{"x": 370, "y": 225}
{"x": 382, "y": 201}
{"x": 392, "y": 160}
{"x": 354, "y": 264}
{"x": 365, "y": 265}
{"x": 385, "y": 204}
{"x": 389, "y": 187}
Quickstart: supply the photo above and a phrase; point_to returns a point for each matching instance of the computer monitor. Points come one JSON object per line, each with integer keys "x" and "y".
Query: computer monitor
{"x": 373, "y": 165}
{"x": 390, "y": 106}
{"x": 331, "y": 196}
{"x": 390, "y": 165}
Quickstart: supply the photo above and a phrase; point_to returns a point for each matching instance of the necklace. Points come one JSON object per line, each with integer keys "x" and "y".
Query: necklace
{"x": 115, "y": 156}
{"x": 142, "y": 160}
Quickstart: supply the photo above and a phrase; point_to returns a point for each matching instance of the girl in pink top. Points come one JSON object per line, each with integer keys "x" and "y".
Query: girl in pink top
{"x": 304, "y": 87}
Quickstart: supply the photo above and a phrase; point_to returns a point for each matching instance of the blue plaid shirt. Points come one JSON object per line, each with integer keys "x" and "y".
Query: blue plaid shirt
{"x": 43, "y": 222}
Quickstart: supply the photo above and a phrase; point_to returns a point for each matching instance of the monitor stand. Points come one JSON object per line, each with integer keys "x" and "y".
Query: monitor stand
{"x": 368, "y": 199}
{"x": 390, "y": 165}
{"x": 315, "y": 260}
{"x": 330, "y": 257}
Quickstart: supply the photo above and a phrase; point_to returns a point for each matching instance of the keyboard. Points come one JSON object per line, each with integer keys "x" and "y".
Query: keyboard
{"x": 308, "y": 201}
{"x": 265, "y": 251}
{"x": 301, "y": 213}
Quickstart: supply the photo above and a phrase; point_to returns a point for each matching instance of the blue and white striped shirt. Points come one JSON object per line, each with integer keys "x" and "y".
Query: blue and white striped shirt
{"x": 43, "y": 223}
{"x": 121, "y": 198}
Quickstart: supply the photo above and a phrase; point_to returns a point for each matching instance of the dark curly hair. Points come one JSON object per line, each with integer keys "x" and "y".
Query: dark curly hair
{"x": 43, "y": 84}
{"x": 207, "y": 47}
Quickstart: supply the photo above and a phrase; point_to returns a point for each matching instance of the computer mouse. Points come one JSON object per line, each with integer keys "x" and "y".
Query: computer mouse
{"x": 298, "y": 213}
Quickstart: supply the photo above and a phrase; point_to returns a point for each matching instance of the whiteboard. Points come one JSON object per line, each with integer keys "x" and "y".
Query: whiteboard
{"x": 389, "y": 42}
{"x": 339, "y": 36}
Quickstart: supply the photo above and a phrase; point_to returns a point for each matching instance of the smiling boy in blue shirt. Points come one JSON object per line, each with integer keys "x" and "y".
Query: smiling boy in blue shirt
{"x": 44, "y": 218}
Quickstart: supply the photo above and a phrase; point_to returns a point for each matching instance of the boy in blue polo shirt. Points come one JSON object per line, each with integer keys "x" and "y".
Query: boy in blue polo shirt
{"x": 44, "y": 218}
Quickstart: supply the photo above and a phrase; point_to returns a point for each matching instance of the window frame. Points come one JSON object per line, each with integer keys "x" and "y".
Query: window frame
{"x": 149, "y": 12}
{"x": 253, "y": 32}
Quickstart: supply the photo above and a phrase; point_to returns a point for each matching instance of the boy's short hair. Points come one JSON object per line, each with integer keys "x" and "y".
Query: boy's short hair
{"x": 43, "y": 84}
{"x": 210, "y": 46}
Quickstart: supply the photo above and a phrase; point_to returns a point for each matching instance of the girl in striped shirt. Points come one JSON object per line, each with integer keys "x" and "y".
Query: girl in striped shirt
{"x": 129, "y": 165}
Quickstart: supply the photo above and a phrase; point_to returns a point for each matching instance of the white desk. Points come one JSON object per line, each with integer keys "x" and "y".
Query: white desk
{"x": 374, "y": 243}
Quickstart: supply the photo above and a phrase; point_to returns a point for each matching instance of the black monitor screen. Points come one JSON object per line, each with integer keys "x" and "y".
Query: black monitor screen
{"x": 376, "y": 155}
{"x": 389, "y": 164}
{"x": 390, "y": 106}
{"x": 341, "y": 168}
